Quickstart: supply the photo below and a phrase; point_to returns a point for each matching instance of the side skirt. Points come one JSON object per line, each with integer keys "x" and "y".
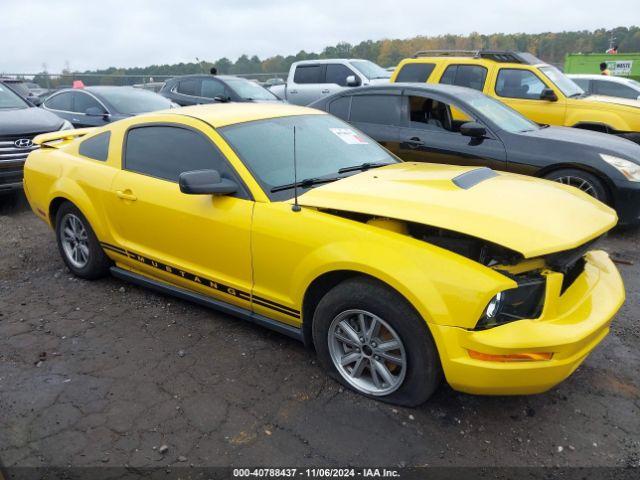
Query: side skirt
{"x": 205, "y": 301}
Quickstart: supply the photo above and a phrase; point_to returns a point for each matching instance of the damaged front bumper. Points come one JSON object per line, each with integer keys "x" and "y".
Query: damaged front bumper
{"x": 531, "y": 356}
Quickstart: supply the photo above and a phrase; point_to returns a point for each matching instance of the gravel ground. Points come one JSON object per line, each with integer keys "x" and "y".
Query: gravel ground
{"x": 105, "y": 373}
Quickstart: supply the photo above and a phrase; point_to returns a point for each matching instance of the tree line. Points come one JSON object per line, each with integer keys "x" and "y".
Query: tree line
{"x": 550, "y": 47}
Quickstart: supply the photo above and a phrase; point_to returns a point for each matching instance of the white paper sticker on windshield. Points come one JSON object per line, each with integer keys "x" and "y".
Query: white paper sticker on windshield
{"x": 349, "y": 136}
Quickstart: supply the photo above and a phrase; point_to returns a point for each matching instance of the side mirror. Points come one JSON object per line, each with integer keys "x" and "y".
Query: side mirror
{"x": 205, "y": 182}
{"x": 473, "y": 129}
{"x": 549, "y": 95}
{"x": 353, "y": 81}
{"x": 94, "y": 112}
{"x": 37, "y": 101}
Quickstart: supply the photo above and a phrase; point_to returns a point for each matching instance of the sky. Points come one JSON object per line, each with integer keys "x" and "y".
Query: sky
{"x": 91, "y": 34}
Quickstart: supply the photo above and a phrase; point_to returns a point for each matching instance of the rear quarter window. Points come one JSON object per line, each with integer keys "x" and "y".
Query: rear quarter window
{"x": 340, "y": 107}
{"x": 96, "y": 147}
{"x": 415, "y": 72}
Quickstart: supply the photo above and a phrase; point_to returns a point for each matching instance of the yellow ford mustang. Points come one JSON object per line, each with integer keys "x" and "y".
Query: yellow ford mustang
{"x": 395, "y": 272}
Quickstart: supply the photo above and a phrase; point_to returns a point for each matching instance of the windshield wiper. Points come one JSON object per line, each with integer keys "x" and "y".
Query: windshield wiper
{"x": 363, "y": 167}
{"x": 306, "y": 183}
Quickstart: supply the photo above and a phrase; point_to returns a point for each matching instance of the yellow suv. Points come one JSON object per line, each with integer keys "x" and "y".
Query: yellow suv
{"x": 537, "y": 90}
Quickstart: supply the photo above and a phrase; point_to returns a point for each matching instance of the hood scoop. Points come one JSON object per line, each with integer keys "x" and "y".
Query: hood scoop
{"x": 468, "y": 179}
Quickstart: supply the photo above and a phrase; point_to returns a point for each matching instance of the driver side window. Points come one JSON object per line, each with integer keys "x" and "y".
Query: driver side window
{"x": 166, "y": 151}
{"x": 82, "y": 102}
{"x": 213, "y": 88}
{"x": 515, "y": 83}
{"x": 338, "y": 74}
{"x": 431, "y": 114}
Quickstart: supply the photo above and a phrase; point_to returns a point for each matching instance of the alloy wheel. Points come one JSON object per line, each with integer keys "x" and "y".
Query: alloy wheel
{"x": 580, "y": 184}
{"x": 367, "y": 352}
{"x": 75, "y": 241}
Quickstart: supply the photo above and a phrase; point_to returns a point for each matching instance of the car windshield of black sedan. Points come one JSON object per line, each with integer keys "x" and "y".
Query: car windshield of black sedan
{"x": 324, "y": 145}
{"x": 132, "y": 101}
{"x": 249, "y": 90}
{"x": 505, "y": 118}
{"x": 8, "y": 99}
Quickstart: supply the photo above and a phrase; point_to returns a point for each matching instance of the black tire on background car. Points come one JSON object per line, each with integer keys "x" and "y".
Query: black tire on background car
{"x": 371, "y": 340}
{"x": 633, "y": 136}
{"x": 78, "y": 245}
{"x": 582, "y": 180}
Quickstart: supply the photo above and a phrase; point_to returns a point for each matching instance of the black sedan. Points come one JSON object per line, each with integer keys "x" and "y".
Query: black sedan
{"x": 20, "y": 121}
{"x": 97, "y": 106}
{"x": 456, "y": 125}
{"x": 196, "y": 89}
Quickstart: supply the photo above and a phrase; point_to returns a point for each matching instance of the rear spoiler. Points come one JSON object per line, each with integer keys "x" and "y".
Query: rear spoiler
{"x": 61, "y": 137}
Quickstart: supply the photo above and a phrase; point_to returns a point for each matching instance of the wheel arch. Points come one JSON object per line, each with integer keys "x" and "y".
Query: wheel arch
{"x": 69, "y": 191}
{"x": 595, "y": 127}
{"x": 54, "y": 206}
{"x": 322, "y": 284}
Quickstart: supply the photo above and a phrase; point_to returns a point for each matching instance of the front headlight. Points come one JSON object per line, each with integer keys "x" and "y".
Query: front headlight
{"x": 524, "y": 301}
{"x": 629, "y": 169}
{"x": 66, "y": 125}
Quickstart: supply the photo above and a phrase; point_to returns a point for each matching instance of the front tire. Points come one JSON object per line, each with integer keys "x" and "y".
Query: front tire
{"x": 372, "y": 341}
{"x": 78, "y": 244}
{"x": 582, "y": 180}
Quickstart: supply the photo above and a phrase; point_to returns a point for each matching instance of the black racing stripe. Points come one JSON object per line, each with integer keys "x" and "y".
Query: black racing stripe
{"x": 277, "y": 309}
{"x": 279, "y": 305}
{"x": 113, "y": 248}
{"x": 212, "y": 284}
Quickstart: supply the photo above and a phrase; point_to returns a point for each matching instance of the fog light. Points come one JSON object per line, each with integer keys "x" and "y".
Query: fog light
{"x": 511, "y": 357}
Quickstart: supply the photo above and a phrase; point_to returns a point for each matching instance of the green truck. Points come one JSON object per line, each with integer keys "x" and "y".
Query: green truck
{"x": 620, "y": 65}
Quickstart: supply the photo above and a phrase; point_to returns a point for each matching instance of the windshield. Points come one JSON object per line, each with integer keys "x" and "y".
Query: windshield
{"x": 634, "y": 83}
{"x": 132, "y": 101}
{"x": 502, "y": 116}
{"x": 370, "y": 69}
{"x": 8, "y": 99}
{"x": 250, "y": 90}
{"x": 567, "y": 86}
{"x": 324, "y": 145}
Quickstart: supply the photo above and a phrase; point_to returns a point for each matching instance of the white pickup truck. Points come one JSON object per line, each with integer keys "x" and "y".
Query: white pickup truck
{"x": 310, "y": 80}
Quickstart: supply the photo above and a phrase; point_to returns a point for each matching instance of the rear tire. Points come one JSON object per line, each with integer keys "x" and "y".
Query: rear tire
{"x": 582, "y": 180}
{"x": 354, "y": 329}
{"x": 78, "y": 244}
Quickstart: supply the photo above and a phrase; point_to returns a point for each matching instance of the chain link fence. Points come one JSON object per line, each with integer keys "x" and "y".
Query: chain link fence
{"x": 54, "y": 81}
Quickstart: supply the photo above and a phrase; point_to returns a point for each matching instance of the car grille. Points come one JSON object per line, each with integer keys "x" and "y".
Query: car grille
{"x": 12, "y": 159}
{"x": 570, "y": 263}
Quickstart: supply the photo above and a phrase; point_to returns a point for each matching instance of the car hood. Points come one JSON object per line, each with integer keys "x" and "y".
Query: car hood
{"x": 627, "y": 102}
{"x": 595, "y": 142}
{"x": 25, "y": 121}
{"x": 531, "y": 216}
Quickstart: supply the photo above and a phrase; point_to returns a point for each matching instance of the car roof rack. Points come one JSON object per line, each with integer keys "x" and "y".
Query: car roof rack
{"x": 495, "y": 55}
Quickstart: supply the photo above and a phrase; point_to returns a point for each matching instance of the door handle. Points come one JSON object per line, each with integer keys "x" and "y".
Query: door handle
{"x": 126, "y": 195}
{"x": 293, "y": 91}
{"x": 415, "y": 142}
{"x": 326, "y": 90}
